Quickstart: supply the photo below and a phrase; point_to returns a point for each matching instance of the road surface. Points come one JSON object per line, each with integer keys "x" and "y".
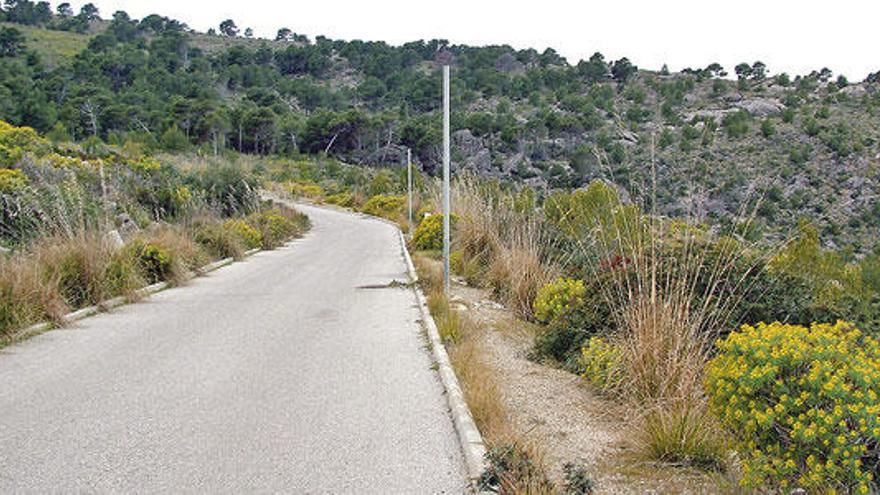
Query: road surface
{"x": 290, "y": 371}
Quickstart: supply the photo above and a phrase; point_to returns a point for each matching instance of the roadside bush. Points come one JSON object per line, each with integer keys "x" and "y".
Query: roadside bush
{"x": 219, "y": 241}
{"x": 306, "y": 190}
{"x": 343, "y": 199}
{"x": 429, "y": 234}
{"x": 85, "y": 270}
{"x": 250, "y": 237}
{"x": 277, "y": 225}
{"x": 12, "y": 180}
{"x": 231, "y": 189}
{"x": 804, "y": 404}
{"x": 166, "y": 255}
{"x": 390, "y": 207}
{"x": 514, "y": 469}
{"x": 573, "y": 312}
{"x": 26, "y": 296}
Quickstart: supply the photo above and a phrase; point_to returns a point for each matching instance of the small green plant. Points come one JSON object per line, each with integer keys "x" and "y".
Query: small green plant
{"x": 803, "y": 402}
{"x": 513, "y": 469}
{"x": 602, "y": 363}
{"x": 12, "y": 180}
{"x": 219, "y": 241}
{"x": 277, "y": 225}
{"x": 577, "y": 480}
{"x": 154, "y": 260}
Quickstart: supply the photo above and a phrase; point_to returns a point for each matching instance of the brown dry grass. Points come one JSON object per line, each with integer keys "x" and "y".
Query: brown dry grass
{"x": 460, "y": 334}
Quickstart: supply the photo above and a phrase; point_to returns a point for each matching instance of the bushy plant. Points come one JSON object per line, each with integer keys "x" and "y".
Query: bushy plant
{"x": 429, "y": 233}
{"x": 277, "y": 225}
{"x": 219, "y": 241}
{"x": 155, "y": 261}
{"x": 559, "y": 298}
{"x": 344, "y": 199}
{"x": 308, "y": 190}
{"x": 12, "y": 180}
{"x": 803, "y": 402}
{"x": 249, "y": 236}
{"x": 573, "y": 312}
{"x": 602, "y": 363}
{"x": 514, "y": 469}
{"x": 381, "y": 205}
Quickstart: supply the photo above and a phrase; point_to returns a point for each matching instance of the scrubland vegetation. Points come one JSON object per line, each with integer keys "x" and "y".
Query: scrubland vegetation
{"x": 707, "y": 336}
{"x": 734, "y": 308}
{"x": 86, "y": 223}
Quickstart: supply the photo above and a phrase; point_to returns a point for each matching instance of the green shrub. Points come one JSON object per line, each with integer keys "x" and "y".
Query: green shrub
{"x": 390, "y": 207}
{"x": 247, "y": 234}
{"x": 155, "y": 261}
{"x": 278, "y": 225}
{"x": 513, "y": 469}
{"x": 574, "y": 312}
{"x": 602, "y": 363}
{"x": 343, "y": 199}
{"x": 559, "y": 298}
{"x": 12, "y": 180}
{"x": 429, "y": 234}
{"x": 804, "y": 404}
{"x": 219, "y": 241}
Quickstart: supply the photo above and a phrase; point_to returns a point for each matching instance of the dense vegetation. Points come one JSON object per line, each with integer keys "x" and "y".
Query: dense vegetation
{"x": 92, "y": 222}
{"x": 795, "y": 147}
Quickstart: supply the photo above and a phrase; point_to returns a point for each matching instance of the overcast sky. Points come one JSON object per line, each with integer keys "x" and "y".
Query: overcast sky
{"x": 789, "y": 36}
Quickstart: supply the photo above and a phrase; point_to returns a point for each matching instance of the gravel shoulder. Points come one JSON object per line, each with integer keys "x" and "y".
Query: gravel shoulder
{"x": 558, "y": 412}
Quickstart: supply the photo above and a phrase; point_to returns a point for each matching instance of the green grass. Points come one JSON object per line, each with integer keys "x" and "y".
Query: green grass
{"x": 54, "y": 47}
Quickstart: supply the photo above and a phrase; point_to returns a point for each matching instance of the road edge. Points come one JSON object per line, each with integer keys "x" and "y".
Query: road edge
{"x": 469, "y": 436}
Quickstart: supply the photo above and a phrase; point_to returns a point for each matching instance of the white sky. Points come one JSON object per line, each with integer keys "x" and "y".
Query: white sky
{"x": 788, "y": 35}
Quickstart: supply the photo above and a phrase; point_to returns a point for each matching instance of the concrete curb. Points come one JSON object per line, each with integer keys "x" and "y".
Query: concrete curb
{"x": 468, "y": 434}
{"x": 115, "y": 302}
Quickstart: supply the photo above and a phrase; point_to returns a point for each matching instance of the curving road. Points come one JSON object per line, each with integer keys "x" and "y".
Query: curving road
{"x": 293, "y": 371}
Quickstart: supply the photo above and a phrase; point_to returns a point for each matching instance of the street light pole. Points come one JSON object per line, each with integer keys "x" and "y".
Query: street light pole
{"x": 446, "y": 160}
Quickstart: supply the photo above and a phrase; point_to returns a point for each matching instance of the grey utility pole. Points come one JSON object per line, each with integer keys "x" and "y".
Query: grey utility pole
{"x": 409, "y": 188}
{"x": 446, "y": 160}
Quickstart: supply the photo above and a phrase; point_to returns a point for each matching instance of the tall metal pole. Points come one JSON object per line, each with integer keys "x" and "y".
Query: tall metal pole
{"x": 409, "y": 188}
{"x": 446, "y": 160}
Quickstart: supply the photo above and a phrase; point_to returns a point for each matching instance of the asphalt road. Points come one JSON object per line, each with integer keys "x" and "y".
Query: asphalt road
{"x": 288, "y": 372}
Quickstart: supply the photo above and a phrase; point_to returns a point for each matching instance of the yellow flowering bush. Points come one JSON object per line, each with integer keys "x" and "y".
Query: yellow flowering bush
{"x": 381, "y": 205}
{"x": 145, "y": 164}
{"x": 21, "y": 137}
{"x": 803, "y": 402}
{"x": 344, "y": 199}
{"x": 12, "y": 180}
{"x": 429, "y": 233}
{"x": 251, "y": 237}
{"x": 59, "y": 161}
{"x": 306, "y": 190}
{"x": 558, "y": 298}
{"x": 602, "y": 363}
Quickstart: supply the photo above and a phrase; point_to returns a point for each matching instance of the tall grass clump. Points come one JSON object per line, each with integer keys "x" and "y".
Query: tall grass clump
{"x": 672, "y": 289}
{"x": 502, "y": 240}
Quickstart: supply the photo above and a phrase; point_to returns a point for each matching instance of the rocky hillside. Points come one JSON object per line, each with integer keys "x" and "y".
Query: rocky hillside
{"x": 723, "y": 143}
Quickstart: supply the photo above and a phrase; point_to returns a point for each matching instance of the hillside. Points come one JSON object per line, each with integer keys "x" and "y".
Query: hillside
{"x": 794, "y": 147}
